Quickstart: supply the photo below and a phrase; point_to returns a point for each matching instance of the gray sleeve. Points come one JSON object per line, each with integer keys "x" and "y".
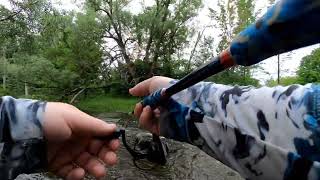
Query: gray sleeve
{"x": 263, "y": 133}
{"x": 22, "y": 144}
{"x": 21, "y": 119}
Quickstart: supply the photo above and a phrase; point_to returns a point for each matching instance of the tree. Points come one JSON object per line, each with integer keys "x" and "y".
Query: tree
{"x": 233, "y": 16}
{"x": 18, "y": 25}
{"x": 84, "y": 43}
{"x": 309, "y": 68}
{"x": 205, "y": 51}
{"x": 224, "y": 20}
{"x": 245, "y": 13}
{"x": 153, "y": 36}
{"x": 54, "y": 41}
{"x": 41, "y": 76}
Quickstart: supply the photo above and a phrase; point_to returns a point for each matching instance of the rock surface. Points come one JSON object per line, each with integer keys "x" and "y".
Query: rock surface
{"x": 184, "y": 162}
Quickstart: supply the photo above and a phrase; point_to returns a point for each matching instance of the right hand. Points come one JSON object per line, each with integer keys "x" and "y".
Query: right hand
{"x": 73, "y": 148}
{"x": 145, "y": 114}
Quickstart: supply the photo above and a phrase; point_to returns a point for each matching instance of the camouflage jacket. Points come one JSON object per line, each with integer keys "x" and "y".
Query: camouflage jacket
{"x": 22, "y": 145}
{"x": 263, "y": 133}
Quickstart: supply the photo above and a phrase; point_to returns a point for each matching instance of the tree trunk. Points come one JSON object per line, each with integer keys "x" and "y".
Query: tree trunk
{"x": 129, "y": 63}
{"x": 200, "y": 34}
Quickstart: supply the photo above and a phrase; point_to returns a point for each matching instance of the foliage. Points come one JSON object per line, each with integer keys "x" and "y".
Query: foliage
{"x": 284, "y": 81}
{"x": 39, "y": 74}
{"x": 151, "y": 36}
{"x": 234, "y": 77}
{"x": 231, "y": 18}
{"x": 47, "y": 52}
{"x": 106, "y": 48}
{"x": 309, "y": 69}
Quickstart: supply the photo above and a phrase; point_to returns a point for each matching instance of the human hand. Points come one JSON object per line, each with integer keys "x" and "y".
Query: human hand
{"x": 146, "y": 114}
{"x": 72, "y": 148}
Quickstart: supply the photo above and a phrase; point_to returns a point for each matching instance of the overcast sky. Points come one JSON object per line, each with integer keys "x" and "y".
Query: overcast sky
{"x": 270, "y": 64}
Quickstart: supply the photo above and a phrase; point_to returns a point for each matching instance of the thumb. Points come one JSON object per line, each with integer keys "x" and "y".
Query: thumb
{"x": 141, "y": 89}
{"x": 150, "y": 85}
{"x": 85, "y": 125}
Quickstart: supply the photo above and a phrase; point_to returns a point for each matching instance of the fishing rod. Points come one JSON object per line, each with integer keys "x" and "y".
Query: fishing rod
{"x": 288, "y": 25}
{"x": 216, "y": 65}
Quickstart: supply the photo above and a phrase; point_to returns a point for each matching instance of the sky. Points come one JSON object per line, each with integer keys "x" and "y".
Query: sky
{"x": 269, "y": 65}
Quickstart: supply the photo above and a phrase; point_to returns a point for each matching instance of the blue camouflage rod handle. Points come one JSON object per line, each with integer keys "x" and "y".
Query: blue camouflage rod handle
{"x": 288, "y": 25}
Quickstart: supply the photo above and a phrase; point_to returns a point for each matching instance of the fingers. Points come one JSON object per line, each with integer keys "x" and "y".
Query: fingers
{"x": 138, "y": 110}
{"x": 92, "y": 161}
{"x": 107, "y": 153}
{"x": 60, "y": 161}
{"x": 65, "y": 170}
{"x": 75, "y": 174}
{"x": 147, "y": 121}
{"x": 108, "y": 157}
{"x": 95, "y": 146}
{"x": 98, "y": 149}
{"x": 91, "y": 164}
{"x": 156, "y": 113}
{"x": 146, "y": 117}
{"x": 70, "y": 172}
{"x": 114, "y": 145}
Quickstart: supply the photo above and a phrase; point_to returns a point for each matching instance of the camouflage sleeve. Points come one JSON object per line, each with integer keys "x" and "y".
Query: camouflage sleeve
{"x": 22, "y": 145}
{"x": 263, "y": 133}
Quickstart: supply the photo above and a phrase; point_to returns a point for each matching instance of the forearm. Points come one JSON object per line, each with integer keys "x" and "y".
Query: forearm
{"x": 262, "y": 133}
{"x": 262, "y": 112}
{"x": 22, "y": 141}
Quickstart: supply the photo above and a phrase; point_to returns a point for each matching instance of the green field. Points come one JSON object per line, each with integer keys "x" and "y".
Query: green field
{"x": 103, "y": 104}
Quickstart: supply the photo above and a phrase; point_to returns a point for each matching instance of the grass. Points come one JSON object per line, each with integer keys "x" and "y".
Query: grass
{"x": 107, "y": 103}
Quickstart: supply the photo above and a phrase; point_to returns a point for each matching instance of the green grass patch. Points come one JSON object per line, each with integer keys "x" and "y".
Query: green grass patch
{"x": 108, "y": 103}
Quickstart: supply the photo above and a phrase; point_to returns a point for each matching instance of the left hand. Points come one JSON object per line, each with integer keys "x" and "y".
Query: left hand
{"x": 145, "y": 114}
{"x": 72, "y": 148}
